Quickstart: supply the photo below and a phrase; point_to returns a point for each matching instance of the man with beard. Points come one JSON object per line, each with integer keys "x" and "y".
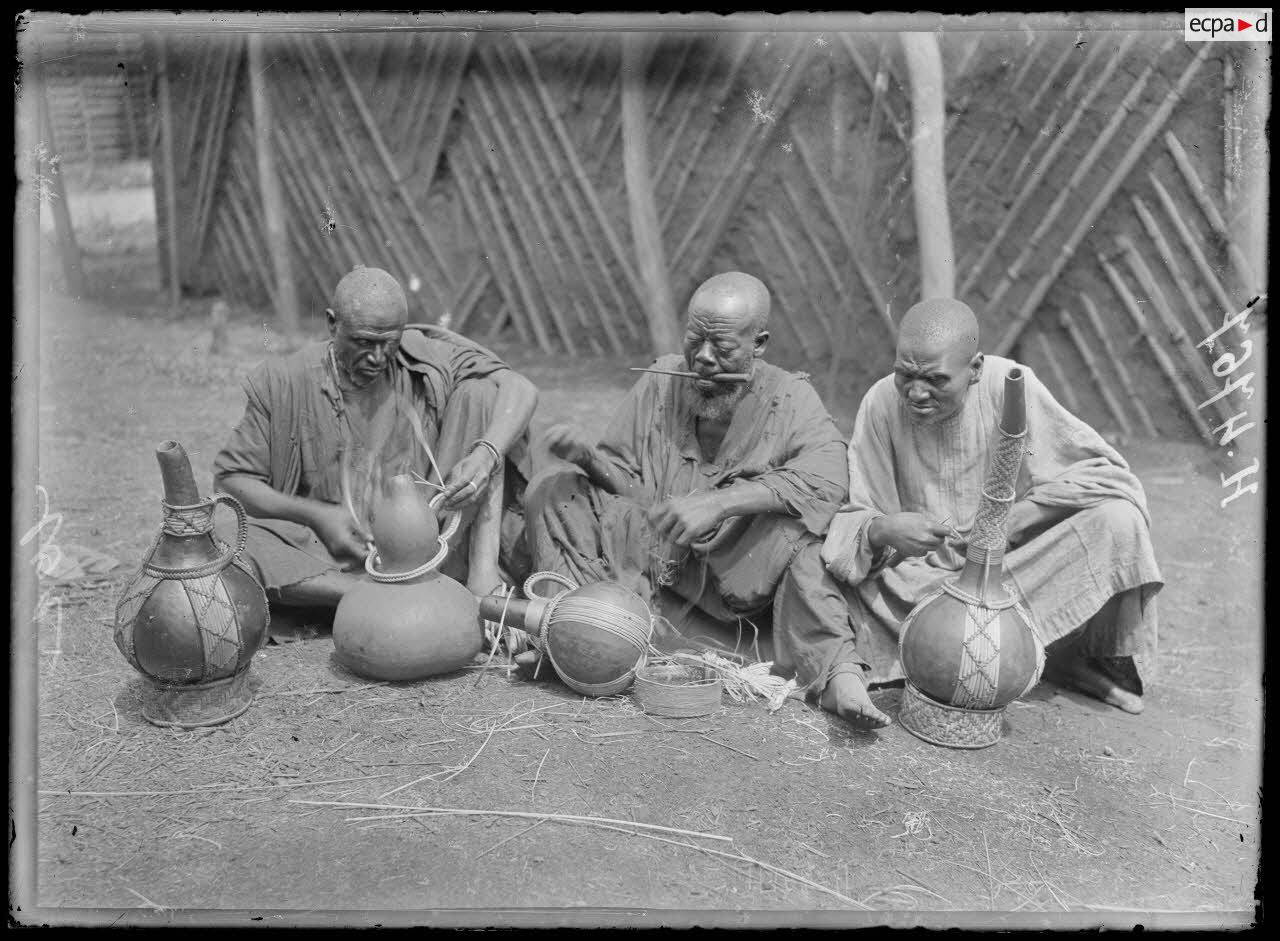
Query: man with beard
{"x": 324, "y": 427}
{"x": 1080, "y": 551}
{"x": 714, "y": 494}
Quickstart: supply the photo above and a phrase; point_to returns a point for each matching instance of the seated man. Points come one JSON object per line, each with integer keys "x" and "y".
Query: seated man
{"x": 1079, "y": 544}
{"x": 325, "y": 426}
{"x": 716, "y": 492}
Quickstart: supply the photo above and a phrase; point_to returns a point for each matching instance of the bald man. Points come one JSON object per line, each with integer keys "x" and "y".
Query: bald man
{"x": 325, "y": 426}
{"x": 1080, "y": 549}
{"x": 710, "y": 498}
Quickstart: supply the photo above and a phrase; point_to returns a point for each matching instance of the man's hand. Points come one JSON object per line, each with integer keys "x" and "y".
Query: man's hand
{"x": 469, "y": 479}
{"x": 910, "y": 534}
{"x": 339, "y": 532}
{"x": 569, "y": 444}
{"x": 683, "y": 520}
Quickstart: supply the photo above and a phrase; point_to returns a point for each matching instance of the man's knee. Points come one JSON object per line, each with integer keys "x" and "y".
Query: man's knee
{"x": 558, "y": 484}
{"x": 1118, "y": 516}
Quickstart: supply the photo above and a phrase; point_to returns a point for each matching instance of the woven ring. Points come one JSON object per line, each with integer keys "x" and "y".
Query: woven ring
{"x": 451, "y": 527}
{"x": 222, "y": 561}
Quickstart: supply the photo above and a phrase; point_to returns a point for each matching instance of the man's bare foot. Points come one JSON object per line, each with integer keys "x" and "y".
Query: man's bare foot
{"x": 1081, "y": 674}
{"x": 846, "y": 695}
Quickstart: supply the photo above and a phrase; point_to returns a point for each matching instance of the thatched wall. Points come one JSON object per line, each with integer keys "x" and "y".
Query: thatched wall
{"x": 485, "y": 170}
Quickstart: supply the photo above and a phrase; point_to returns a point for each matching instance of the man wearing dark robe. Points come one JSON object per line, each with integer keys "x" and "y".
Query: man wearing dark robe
{"x": 714, "y": 494}
{"x": 1080, "y": 553}
{"x": 326, "y": 426}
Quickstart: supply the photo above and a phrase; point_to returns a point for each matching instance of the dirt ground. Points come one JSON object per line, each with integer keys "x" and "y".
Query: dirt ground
{"x": 1081, "y": 815}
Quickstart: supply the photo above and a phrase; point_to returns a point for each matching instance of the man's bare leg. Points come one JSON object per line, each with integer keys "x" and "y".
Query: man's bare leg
{"x": 846, "y": 695}
{"x": 1073, "y": 669}
{"x": 483, "y": 573}
{"x": 319, "y": 591}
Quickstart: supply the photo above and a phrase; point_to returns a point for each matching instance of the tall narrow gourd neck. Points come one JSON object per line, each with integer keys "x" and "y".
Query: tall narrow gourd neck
{"x": 984, "y": 559}
{"x": 175, "y": 470}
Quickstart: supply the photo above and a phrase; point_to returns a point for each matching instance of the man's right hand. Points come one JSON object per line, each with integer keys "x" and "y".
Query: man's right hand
{"x": 911, "y": 534}
{"x": 339, "y": 532}
{"x": 569, "y": 444}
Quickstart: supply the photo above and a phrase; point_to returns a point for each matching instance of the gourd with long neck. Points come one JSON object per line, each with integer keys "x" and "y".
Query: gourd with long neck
{"x": 969, "y": 643}
{"x": 984, "y": 560}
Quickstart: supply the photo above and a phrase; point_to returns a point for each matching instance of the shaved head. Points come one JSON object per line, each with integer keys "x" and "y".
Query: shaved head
{"x": 937, "y": 360}
{"x": 735, "y": 295}
{"x": 366, "y": 320}
{"x": 941, "y": 324}
{"x": 370, "y": 295}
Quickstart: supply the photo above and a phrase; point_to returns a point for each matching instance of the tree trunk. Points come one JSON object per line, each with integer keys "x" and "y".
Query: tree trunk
{"x": 928, "y": 166}
{"x": 1249, "y": 171}
{"x": 169, "y": 234}
{"x": 646, "y": 234}
{"x": 273, "y": 209}
{"x": 68, "y": 249}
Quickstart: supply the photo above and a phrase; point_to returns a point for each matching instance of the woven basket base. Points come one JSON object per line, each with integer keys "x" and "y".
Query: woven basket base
{"x": 193, "y": 707}
{"x": 948, "y": 726}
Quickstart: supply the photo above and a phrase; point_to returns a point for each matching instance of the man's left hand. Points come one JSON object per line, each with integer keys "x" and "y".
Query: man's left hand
{"x": 683, "y": 520}
{"x": 469, "y": 479}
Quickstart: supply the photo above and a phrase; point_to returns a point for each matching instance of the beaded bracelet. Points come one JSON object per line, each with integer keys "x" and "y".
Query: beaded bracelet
{"x": 497, "y": 455}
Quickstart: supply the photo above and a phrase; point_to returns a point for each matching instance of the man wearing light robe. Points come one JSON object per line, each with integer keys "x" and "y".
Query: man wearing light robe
{"x": 714, "y": 495}
{"x": 1080, "y": 552}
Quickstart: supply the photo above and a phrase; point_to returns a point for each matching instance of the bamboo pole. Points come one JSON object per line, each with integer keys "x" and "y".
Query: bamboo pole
{"x": 1052, "y": 129}
{"x": 273, "y": 212}
{"x": 64, "y": 231}
{"x": 1191, "y": 244}
{"x": 785, "y": 314}
{"x": 585, "y": 65}
{"x": 498, "y": 142}
{"x": 395, "y": 241}
{"x": 1205, "y": 201}
{"x": 851, "y": 249}
{"x": 520, "y": 111}
{"x": 928, "y": 163}
{"x": 509, "y": 294}
{"x": 1127, "y": 385}
{"x": 873, "y": 81}
{"x": 444, "y": 271}
{"x": 727, "y": 194}
{"x": 194, "y": 103}
{"x": 1196, "y": 364}
{"x": 557, "y": 126}
{"x": 817, "y": 248}
{"x": 522, "y": 237}
{"x": 305, "y": 244}
{"x": 1066, "y": 193}
{"x": 1157, "y": 353}
{"x": 676, "y": 139}
{"x": 1095, "y": 372}
{"x": 426, "y": 68}
{"x": 435, "y": 144}
{"x": 464, "y": 302}
{"x": 316, "y": 193}
{"x": 1014, "y": 128}
{"x": 1171, "y": 263}
{"x": 797, "y": 267}
{"x": 1053, "y": 361}
{"x": 741, "y": 50}
{"x": 646, "y": 236}
{"x": 508, "y": 251}
{"x": 167, "y": 172}
{"x": 613, "y": 135}
{"x": 212, "y": 154}
{"x": 1100, "y": 201}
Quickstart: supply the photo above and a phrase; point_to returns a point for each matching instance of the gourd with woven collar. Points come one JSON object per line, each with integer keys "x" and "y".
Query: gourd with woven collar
{"x": 968, "y": 648}
{"x": 405, "y": 620}
{"x": 193, "y": 617}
